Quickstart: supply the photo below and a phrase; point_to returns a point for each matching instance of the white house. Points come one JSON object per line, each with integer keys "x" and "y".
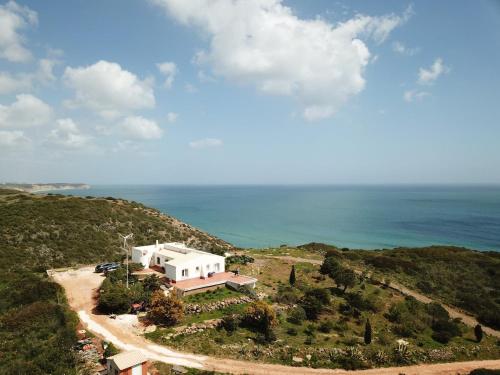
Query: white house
{"x": 179, "y": 261}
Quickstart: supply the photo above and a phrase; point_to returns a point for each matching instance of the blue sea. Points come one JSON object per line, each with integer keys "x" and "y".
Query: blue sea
{"x": 368, "y": 217}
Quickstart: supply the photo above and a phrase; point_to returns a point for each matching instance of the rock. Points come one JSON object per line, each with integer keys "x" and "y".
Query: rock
{"x": 308, "y": 356}
{"x": 297, "y": 359}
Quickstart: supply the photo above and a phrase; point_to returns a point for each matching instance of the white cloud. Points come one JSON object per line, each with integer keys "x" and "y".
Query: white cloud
{"x": 14, "y": 18}
{"x": 68, "y": 135}
{"x": 402, "y": 49}
{"x": 109, "y": 90}
{"x": 204, "y": 77}
{"x": 263, "y": 43}
{"x": 14, "y": 83}
{"x": 13, "y": 139}
{"x": 137, "y": 127}
{"x": 45, "y": 73}
{"x": 169, "y": 70}
{"x": 190, "y": 88}
{"x": 26, "y": 111}
{"x": 206, "y": 143}
{"x": 414, "y": 95}
{"x": 429, "y": 76}
{"x": 172, "y": 117}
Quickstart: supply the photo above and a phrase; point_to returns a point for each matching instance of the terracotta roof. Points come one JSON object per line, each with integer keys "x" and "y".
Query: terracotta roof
{"x": 217, "y": 279}
{"x": 127, "y": 359}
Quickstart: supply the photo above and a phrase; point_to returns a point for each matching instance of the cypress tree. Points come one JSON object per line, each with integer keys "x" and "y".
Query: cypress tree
{"x": 368, "y": 332}
{"x": 478, "y": 331}
{"x": 292, "y": 276}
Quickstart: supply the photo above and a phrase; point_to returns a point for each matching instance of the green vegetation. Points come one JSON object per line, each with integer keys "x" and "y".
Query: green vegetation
{"x": 212, "y": 296}
{"x": 37, "y": 329}
{"x": 460, "y": 277}
{"x": 324, "y": 326}
{"x": 165, "y": 310}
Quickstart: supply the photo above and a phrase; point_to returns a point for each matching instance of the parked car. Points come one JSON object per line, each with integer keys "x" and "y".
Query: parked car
{"x": 111, "y": 268}
{"x": 100, "y": 267}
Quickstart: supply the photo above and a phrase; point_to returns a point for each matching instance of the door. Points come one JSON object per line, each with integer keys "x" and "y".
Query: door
{"x": 137, "y": 370}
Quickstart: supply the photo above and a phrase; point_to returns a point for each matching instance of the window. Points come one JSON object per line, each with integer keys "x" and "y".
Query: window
{"x": 184, "y": 272}
{"x": 208, "y": 266}
{"x": 197, "y": 268}
{"x": 157, "y": 260}
{"x": 217, "y": 266}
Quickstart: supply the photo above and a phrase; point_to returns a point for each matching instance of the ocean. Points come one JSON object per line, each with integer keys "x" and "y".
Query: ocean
{"x": 368, "y": 217}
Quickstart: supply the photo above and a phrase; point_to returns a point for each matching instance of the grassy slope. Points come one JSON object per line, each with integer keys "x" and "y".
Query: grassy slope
{"x": 327, "y": 348}
{"x": 461, "y": 277}
{"x": 37, "y": 329}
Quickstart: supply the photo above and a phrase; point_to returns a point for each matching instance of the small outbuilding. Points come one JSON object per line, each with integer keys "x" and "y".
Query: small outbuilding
{"x": 128, "y": 363}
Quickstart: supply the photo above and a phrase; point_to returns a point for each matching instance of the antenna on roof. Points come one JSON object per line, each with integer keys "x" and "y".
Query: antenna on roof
{"x": 125, "y": 248}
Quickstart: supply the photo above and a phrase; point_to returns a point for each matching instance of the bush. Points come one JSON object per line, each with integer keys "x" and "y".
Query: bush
{"x": 230, "y": 323}
{"x": 312, "y": 306}
{"x": 261, "y": 316}
{"x": 165, "y": 310}
{"x": 326, "y": 326}
{"x": 445, "y": 330}
{"x": 114, "y": 298}
{"x": 286, "y": 295}
{"x": 296, "y": 315}
{"x": 292, "y": 331}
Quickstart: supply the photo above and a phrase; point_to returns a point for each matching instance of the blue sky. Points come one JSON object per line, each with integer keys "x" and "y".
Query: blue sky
{"x": 264, "y": 92}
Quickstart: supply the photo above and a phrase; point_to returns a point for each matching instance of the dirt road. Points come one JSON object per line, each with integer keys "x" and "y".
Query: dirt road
{"x": 80, "y": 286}
{"x": 454, "y": 312}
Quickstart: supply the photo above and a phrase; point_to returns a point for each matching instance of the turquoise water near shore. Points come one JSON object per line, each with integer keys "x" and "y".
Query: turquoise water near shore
{"x": 369, "y": 217}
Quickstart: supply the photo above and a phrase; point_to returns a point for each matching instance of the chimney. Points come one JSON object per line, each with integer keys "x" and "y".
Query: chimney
{"x": 157, "y": 244}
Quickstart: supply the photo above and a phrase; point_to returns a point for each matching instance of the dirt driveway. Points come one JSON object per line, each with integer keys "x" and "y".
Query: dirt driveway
{"x": 80, "y": 286}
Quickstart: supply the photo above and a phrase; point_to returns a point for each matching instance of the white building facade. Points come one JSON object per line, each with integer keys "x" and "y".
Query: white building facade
{"x": 179, "y": 261}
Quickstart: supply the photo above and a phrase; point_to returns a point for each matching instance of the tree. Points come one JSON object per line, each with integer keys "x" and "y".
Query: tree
{"x": 165, "y": 310}
{"x": 151, "y": 283}
{"x": 292, "y": 276}
{"x": 312, "y": 306}
{"x": 346, "y": 278}
{"x": 478, "y": 331}
{"x": 368, "y": 332}
{"x": 114, "y": 298}
{"x": 261, "y": 316}
{"x": 330, "y": 267}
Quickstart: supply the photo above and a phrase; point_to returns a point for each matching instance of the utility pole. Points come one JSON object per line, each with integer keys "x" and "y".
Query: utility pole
{"x": 125, "y": 248}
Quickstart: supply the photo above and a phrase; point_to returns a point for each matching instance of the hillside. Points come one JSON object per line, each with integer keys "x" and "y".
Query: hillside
{"x": 33, "y": 188}
{"x": 37, "y": 329}
{"x": 461, "y": 277}
{"x": 45, "y": 231}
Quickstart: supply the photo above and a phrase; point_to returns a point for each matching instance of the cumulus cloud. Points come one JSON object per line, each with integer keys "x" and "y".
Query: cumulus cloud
{"x": 429, "y": 76}
{"x": 172, "y": 117}
{"x": 169, "y": 70}
{"x": 414, "y": 95}
{"x": 263, "y": 43}
{"x": 13, "y": 19}
{"x": 107, "y": 89}
{"x": 45, "y": 73}
{"x": 137, "y": 127}
{"x": 13, "y": 139}
{"x": 68, "y": 135}
{"x": 206, "y": 143}
{"x": 10, "y": 83}
{"x": 402, "y": 49}
{"x": 27, "y": 111}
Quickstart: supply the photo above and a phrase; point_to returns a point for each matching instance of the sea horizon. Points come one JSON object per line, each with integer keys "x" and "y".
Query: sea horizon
{"x": 367, "y": 216}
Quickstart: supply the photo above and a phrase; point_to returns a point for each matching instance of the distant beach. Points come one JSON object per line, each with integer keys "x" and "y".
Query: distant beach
{"x": 370, "y": 217}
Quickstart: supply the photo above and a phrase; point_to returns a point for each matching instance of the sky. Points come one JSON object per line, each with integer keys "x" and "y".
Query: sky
{"x": 250, "y": 92}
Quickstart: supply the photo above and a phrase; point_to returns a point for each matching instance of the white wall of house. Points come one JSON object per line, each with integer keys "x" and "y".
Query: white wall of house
{"x": 195, "y": 264}
{"x": 142, "y": 256}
